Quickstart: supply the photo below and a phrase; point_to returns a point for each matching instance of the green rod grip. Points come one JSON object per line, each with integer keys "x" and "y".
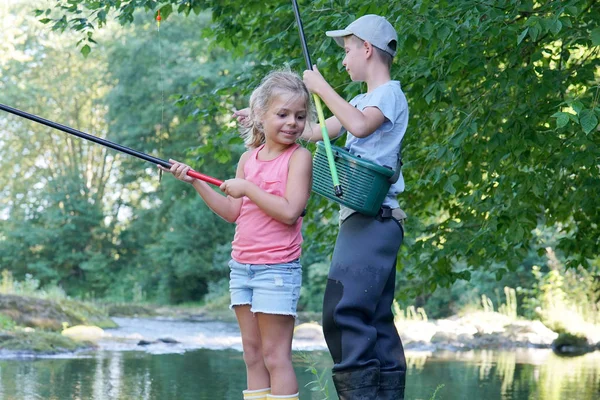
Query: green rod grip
{"x": 334, "y": 175}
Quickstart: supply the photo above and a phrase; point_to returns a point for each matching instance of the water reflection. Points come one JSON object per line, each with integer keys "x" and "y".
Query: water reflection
{"x": 506, "y": 375}
{"x": 220, "y": 374}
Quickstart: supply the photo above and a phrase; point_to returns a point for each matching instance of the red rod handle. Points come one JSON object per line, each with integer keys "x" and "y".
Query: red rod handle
{"x": 204, "y": 178}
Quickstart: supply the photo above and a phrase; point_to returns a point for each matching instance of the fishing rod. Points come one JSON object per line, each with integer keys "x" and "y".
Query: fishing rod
{"x": 107, "y": 143}
{"x": 337, "y": 188}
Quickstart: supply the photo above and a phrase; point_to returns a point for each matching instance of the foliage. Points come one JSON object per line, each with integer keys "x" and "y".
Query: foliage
{"x": 504, "y": 103}
{"x": 30, "y": 286}
{"x": 509, "y": 308}
{"x": 172, "y": 238}
{"x": 320, "y": 382}
{"x": 411, "y": 313}
{"x": 313, "y": 287}
{"x": 565, "y": 300}
{"x": 502, "y": 143}
{"x": 435, "y": 392}
{"x": 49, "y": 179}
{"x": 6, "y": 323}
{"x": 85, "y": 218}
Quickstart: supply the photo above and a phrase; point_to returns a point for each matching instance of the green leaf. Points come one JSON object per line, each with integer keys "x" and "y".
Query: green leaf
{"x": 562, "y": 119}
{"x": 588, "y": 120}
{"x": 566, "y": 21}
{"x": 85, "y": 50}
{"x": 522, "y": 36}
{"x": 500, "y": 273}
{"x": 443, "y": 33}
{"x": 595, "y": 36}
{"x": 449, "y": 186}
{"x": 534, "y": 32}
{"x": 577, "y": 106}
{"x": 165, "y": 11}
{"x": 555, "y": 26}
{"x": 519, "y": 232}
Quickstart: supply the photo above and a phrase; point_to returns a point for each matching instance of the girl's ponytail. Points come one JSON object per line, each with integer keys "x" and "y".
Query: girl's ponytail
{"x": 253, "y": 132}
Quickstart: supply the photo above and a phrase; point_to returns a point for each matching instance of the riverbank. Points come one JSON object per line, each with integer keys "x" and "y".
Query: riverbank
{"x": 31, "y": 327}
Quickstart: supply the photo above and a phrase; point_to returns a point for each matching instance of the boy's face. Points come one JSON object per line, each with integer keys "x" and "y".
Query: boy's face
{"x": 355, "y": 57}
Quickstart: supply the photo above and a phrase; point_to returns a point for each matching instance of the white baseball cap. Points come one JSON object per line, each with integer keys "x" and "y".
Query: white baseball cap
{"x": 370, "y": 28}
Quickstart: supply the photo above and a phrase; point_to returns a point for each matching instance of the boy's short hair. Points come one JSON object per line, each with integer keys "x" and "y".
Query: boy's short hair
{"x": 371, "y": 28}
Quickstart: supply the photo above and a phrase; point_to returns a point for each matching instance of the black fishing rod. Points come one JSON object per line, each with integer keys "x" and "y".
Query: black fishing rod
{"x": 337, "y": 188}
{"x": 107, "y": 143}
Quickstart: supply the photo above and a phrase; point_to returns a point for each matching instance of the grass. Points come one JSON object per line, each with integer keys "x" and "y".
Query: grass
{"x": 25, "y": 340}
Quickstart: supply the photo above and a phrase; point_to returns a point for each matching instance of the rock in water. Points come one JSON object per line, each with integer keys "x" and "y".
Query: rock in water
{"x": 84, "y": 333}
{"x": 308, "y": 331}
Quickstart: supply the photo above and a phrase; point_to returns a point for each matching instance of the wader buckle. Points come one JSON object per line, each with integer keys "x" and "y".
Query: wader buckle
{"x": 385, "y": 212}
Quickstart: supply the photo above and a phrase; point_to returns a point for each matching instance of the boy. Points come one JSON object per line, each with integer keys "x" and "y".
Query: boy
{"x": 358, "y": 322}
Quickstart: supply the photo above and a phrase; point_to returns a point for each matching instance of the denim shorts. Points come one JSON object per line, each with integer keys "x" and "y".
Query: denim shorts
{"x": 267, "y": 288}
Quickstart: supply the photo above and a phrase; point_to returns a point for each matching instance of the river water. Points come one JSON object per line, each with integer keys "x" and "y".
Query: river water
{"x": 207, "y": 364}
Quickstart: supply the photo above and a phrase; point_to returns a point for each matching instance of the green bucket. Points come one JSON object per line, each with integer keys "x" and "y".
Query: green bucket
{"x": 365, "y": 184}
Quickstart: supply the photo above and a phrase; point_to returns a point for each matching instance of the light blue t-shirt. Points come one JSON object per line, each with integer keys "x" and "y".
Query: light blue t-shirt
{"x": 383, "y": 145}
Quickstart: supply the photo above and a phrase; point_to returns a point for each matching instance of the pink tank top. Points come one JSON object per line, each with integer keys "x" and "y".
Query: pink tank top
{"x": 260, "y": 239}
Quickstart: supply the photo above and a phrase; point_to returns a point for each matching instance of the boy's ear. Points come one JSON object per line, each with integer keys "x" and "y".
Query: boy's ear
{"x": 368, "y": 47}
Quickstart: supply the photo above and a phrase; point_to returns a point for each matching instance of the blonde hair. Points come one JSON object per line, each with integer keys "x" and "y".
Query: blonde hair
{"x": 275, "y": 83}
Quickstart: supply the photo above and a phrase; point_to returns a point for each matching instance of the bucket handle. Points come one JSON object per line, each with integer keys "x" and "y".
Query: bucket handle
{"x": 392, "y": 179}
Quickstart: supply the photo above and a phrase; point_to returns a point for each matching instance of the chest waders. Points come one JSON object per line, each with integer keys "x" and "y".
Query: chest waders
{"x": 358, "y": 322}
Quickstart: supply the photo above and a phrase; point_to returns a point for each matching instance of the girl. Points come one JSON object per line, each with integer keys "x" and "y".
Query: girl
{"x": 266, "y": 201}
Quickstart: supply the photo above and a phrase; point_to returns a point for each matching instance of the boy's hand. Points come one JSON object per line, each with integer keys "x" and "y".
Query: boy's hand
{"x": 179, "y": 171}
{"x": 243, "y": 116}
{"x": 235, "y": 188}
{"x": 313, "y": 80}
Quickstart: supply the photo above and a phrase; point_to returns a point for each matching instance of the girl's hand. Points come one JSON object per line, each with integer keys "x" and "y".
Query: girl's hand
{"x": 179, "y": 171}
{"x": 243, "y": 116}
{"x": 314, "y": 80}
{"x": 235, "y": 188}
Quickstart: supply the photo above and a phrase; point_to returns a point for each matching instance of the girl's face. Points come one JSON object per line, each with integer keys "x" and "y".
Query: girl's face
{"x": 354, "y": 59}
{"x": 284, "y": 120}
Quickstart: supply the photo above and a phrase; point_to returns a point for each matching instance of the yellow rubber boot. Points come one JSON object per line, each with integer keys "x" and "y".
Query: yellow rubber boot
{"x": 260, "y": 394}
{"x": 287, "y": 396}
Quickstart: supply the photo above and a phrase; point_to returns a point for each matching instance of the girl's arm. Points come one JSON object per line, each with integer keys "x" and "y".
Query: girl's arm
{"x": 286, "y": 209}
{"x": 228, "y": 207}
{"x": 360, "y": 123}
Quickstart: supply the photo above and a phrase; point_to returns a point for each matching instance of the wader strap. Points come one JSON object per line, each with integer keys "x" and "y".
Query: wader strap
{"x": 397, "y": 213}
{"x": 396, "y": 175}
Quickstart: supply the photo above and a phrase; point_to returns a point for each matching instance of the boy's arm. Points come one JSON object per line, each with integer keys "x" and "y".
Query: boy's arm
{"x": 312, "y": 132}
{"x": 360, "y": 123}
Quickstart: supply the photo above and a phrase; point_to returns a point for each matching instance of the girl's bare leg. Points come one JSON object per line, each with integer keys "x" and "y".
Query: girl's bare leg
{"x": 257, "y": 375}
{"x": 276, "y": 332}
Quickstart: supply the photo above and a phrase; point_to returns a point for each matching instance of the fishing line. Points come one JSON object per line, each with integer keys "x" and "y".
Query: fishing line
{"x": 161, "y": 88}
